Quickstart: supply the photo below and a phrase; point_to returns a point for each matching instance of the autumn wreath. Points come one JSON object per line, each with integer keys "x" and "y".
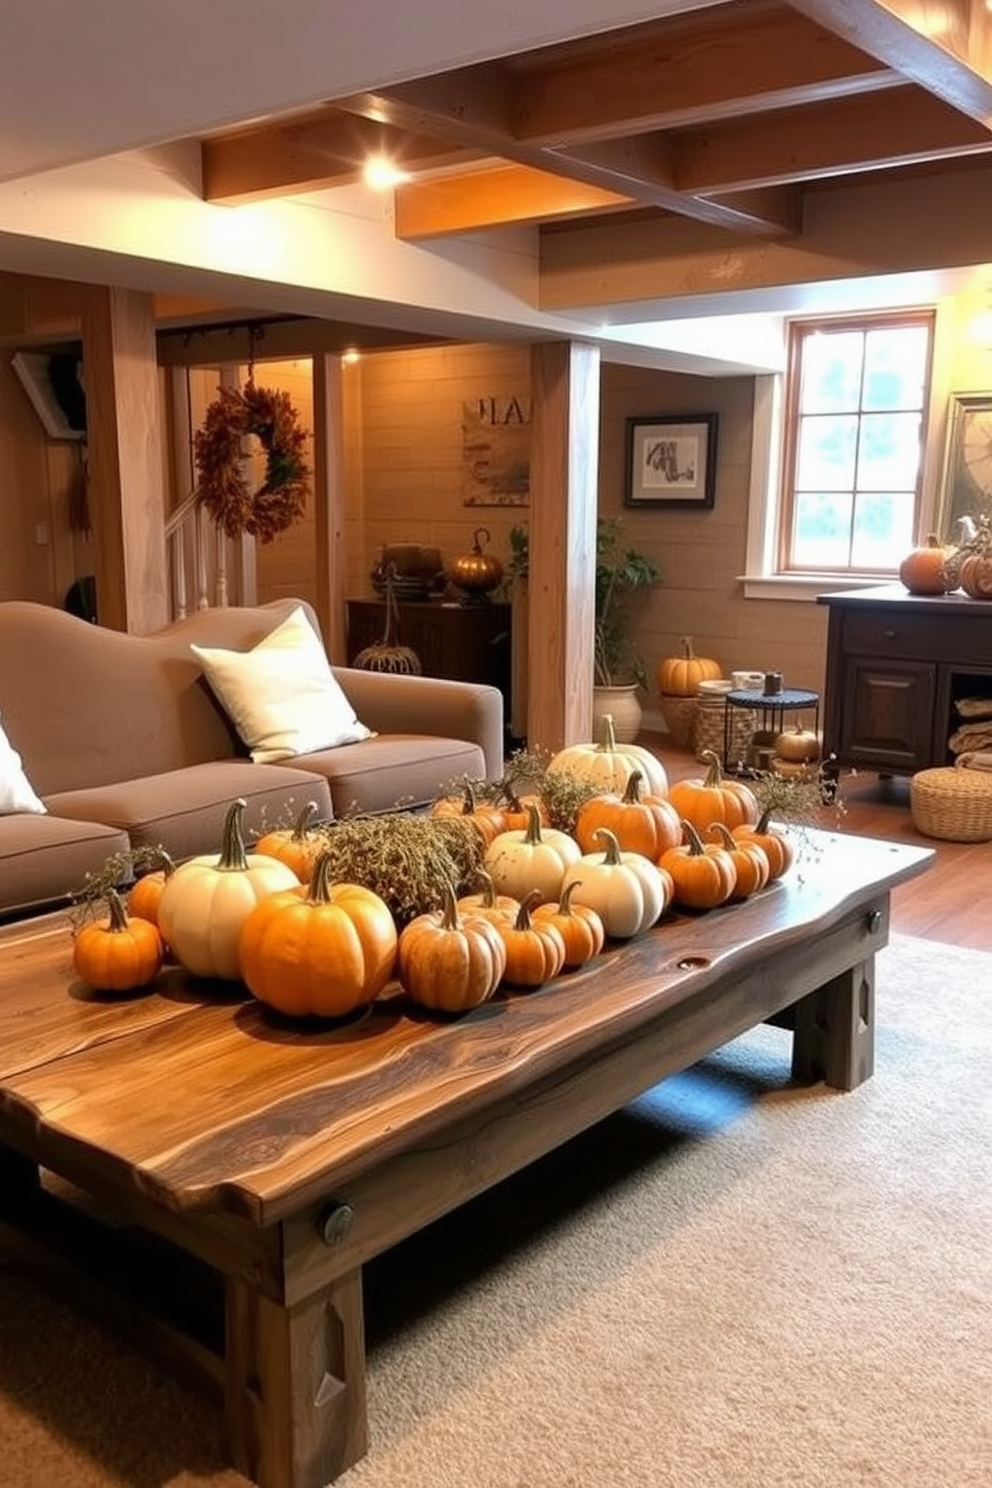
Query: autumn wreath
{"x": 222, "y": 488}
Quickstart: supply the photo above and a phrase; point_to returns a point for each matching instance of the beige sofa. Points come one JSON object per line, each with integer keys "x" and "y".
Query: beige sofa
{"x": 126, "y": 744}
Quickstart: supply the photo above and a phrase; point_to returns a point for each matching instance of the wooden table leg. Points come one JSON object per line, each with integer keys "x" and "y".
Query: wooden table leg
{"x": 835, "y": 1030}
{"x": 295, "y": 1407}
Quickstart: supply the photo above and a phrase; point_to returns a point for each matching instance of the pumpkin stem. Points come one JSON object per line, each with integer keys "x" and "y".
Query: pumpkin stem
{"x": 565, "y": 901}
{"x": 533, "y": 834}
{"x": 449, "y": 907}
{"x": 763, "y": 820}
{"x": 692, "y": 839}
{"x": 487, "y": 888}
{"x": 233, "y": 858}
{"x": 156, "y": 858}
{"x": 632, "y": 791}
{"x": 609, "y": 744}
{"x": 686, "y": 645}
{"x": 611, "y": 846}
{"x": 118, "y": 913}
{"x": 522, "y": 922}
{"x": 470, "y": 803}
{"x": 479, "y": 536}
{"x": 723, "y": 832}
{"x": 302, "y": 824}
{"x": 714, "y": 775}
{"x": 319, "y": 889}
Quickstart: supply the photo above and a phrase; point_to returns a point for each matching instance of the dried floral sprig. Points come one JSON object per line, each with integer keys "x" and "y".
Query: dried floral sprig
{"x": 405, "y": 859}
{"x": 218, "y": 448}
{"x": 118, "y": 871}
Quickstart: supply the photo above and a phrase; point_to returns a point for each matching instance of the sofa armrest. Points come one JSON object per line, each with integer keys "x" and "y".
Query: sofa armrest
{"x": 394, "y": 703}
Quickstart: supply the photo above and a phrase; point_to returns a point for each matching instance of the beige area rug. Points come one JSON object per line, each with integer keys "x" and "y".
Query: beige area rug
{"x": 731, "y": 1284}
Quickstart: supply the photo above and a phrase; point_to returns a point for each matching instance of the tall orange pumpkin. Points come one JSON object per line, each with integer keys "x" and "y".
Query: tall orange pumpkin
{"x": 681, "y": 675}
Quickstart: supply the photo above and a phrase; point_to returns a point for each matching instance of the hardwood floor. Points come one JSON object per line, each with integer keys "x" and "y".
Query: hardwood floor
{"x": 952, "y": 903}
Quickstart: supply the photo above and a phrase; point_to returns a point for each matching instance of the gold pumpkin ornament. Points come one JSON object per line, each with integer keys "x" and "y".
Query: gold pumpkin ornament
{"x": 477, "y": 573}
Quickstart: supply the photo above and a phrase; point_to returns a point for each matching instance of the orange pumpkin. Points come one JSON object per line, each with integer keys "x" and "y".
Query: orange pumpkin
{"x": 450, "y": 962}
{"x": 775, "y": 845}
{"x": 976, "y": 575}
{"x": 485, "y": 816}
{"x": 702, "y": 876}
{"x": 515, "y": 810}
{"x": 714, "y": 798}
{"x": 750, "y": 863}
{"x": 681, "y": 675}
{"x": 579, "y": 926}
{"x": 923, "y": 570}
{"x": 487, "y": 901}
{"x": 535, "y": 950}
{"x": 647, "y": 824}
{"x": 298, "y": 846}
{"x": 119, "y": 955}
{"x": 145, "y": 893}
{"x": 318, "y": 951}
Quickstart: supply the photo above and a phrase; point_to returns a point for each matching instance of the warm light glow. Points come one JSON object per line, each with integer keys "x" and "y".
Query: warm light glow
{"x": 382, "y": 174}
{"x": 350, "y": 356}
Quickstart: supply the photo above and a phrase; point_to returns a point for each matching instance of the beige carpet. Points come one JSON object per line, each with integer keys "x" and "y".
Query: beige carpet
{"x": 731, "y": 1284}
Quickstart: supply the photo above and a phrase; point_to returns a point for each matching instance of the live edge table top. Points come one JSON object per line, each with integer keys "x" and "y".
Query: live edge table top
{"x": 198, "y": 1099}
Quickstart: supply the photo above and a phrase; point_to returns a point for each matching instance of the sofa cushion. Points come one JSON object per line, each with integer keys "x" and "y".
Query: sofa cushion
{"x": 393, "y": 771}
{"x": 282, "y": 696}
{"x": 16, "y": 793}
{"x": 46, "y": 859}
{"x": 183, "y": 810}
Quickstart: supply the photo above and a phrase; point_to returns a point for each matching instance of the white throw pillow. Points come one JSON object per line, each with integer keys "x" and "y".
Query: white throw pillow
{"x": 16, "y": 793}
{"x": 282, "y": 696}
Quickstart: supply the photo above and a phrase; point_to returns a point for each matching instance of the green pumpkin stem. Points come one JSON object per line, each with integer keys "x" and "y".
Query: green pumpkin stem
{"x": 449, "y": 908}
{"x": 233, "y": 858}
{"x": 714, "y": 775}
{"x": 319, "y": 888}
{"x": 565, "y": 902}
{"x": 609, "y": 744}
{"x": 301, "y": 828}
{"x": 118, "y": 912}
{"x": 532, "y": 836}
{"x": 632, "y": 790}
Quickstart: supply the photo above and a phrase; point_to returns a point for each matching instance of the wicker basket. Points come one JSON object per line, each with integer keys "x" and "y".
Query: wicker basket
{"x": 679, "y": 714}
{"x": 952, "y": 805}
{"x": 714, "y": 729}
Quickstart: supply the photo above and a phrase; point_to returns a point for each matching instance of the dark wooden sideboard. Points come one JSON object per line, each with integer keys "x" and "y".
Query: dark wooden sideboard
{"x": 468, "y": 643}
{"x": 896, "y": 664}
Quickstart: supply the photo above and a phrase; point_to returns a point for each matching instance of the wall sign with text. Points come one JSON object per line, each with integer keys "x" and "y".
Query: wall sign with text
{"x": 496, "y": 451}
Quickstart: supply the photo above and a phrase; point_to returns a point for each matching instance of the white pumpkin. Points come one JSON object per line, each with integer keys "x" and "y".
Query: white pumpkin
{"x": 532, "y": 858}
{"x": 210, "y": 897}
{"x": 608, "y": 766}
{"x": 627, "y": 890}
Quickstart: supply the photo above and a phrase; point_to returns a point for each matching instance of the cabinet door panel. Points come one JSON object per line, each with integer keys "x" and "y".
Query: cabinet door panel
{"x": 888, "y": 714}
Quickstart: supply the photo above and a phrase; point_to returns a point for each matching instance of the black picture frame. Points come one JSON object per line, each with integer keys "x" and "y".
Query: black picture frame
{"x": 671, "y": 460}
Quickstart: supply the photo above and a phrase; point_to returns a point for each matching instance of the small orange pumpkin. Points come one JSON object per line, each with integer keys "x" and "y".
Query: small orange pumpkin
{"x": 145, "y": 894}
{"x": 487, "y": 901}
{"x": 703, "y": 877}
{"x": 923, "y": 570}
{"x": 450, "y": 962}
{"x": 647, "y": 824}
{"x": 750, "y": 863}
{"x": 318, "y": 951}
{"x": 488, "y": 819}
{"x": 681, "y": 675}
{"x": 776, "y": 847}
{"x": 297, "y": 846}
{"x": 535, "y": 950}
{"x": 123, "y": 953}
{"x": 714, "y": 798}
{"x": 579, "y": 926}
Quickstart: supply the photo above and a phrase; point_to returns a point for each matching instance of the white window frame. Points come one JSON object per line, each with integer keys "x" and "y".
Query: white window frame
{"x": 762, "y": 578}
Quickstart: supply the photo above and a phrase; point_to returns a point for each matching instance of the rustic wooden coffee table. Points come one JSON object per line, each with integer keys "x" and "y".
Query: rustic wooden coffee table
{"x": 283, "y": 1157}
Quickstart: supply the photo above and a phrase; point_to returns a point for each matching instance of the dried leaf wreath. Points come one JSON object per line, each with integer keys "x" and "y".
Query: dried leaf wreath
{"x": 222, "y": 488}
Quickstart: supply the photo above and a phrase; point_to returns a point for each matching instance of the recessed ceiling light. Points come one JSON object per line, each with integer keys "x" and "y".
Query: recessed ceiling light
{"x": 382, "y": 173}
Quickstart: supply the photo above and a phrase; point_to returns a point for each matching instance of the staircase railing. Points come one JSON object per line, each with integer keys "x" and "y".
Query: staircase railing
{"x": 206, "y": 568}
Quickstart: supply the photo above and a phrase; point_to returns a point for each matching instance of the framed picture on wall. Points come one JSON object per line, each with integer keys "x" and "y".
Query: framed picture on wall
{"x": 671, "y": 460}
{"x": 966, "y": 486}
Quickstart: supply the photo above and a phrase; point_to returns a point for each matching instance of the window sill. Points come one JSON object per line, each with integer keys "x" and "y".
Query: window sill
{"x": 805, "y": 588}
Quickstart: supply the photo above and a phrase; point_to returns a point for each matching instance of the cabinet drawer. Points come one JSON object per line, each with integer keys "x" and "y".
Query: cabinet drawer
{"x": 906, "y": 637}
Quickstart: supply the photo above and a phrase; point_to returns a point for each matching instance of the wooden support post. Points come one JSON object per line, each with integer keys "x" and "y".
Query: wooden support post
{"x": 126, "y": 464}
{"x": 328, "y": 495}
{"x": 561, "y": 587}
{"x": 834, "y": 1036}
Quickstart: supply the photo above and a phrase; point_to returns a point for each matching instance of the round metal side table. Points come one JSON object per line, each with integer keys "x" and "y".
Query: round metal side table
{"x": 770, "y": 709}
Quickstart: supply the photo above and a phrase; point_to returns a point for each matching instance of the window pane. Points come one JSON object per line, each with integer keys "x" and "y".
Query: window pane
{"x": 889, "y": 452}
{"x": 827, "y": 449}
{"x": 821, "y": 538}
{"x": 831, "y": 379}
{"x": 895, "y": 367}
{"x": 883, "y": 530}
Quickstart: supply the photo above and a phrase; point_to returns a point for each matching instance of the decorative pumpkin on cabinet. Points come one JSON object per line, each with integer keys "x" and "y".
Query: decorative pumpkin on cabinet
{"x": 123, "y": 953}
{"x": 449, "y": 962}
{"x": 924, "y": 570}
{"x": 208, "y": 898}
{"x": 976, "y": 575}
{"x": 476, "y": 573}
{"x": 608, "y": 765}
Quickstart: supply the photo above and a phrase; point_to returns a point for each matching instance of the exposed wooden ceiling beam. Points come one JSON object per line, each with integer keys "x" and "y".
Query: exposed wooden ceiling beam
{"x": 495, "y": 197}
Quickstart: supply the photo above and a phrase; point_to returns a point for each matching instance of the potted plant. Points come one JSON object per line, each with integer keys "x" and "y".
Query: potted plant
{"x": 622, "y": 573}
